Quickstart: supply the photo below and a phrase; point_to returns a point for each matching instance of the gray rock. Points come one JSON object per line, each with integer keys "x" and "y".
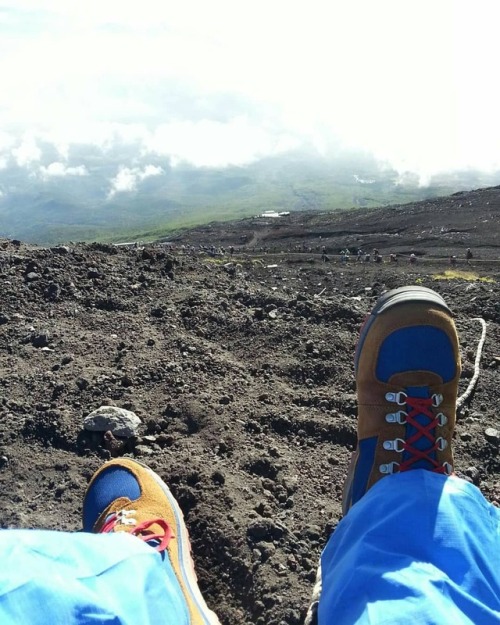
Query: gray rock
{"x": 119, "y": 421}
{"x": 40, "y": 340}
{"x": 492, "y": 435}
{"x": 60, "y": 249}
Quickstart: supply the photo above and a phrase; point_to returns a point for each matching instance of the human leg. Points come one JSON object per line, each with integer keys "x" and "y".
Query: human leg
{"x": 131, "y": 565}
{"x": 414, "y": 546}
{"x": 126, "y": 496}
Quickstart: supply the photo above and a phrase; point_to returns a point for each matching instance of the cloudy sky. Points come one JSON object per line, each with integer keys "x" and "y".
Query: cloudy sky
{"x": 227, "y": 81}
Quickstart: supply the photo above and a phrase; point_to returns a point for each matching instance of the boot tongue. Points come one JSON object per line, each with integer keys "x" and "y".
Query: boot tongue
{"x": 422, "y": 443}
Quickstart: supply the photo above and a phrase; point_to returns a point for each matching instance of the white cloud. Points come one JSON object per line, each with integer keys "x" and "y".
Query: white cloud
{"x": 128, "y": 178}
{"x": 60, "y": 169}
{"x": 148, "y": 171}
{"x": 27, "y": 153}
{"x": 214, "y": 144}
{"x": 392, "y": 77}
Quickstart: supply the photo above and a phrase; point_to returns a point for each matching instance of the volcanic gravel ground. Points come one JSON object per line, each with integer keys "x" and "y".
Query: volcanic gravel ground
{"x": 242, "y": 375}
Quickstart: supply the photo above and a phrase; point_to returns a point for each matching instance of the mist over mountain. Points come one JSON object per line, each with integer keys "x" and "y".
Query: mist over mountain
{"x": 83, "y": 192}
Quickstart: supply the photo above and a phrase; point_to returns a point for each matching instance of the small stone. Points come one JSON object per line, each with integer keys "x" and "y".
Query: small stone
{"x": 473, "y": 473}
{"x": 492, "y": 435}
{"x": 112, "y": 444}
{"x": 40, "y": 340}
{"x": 218, "y": 478}
{"x": 264, "y": 529}
{"x": 143, "y": 450}
{"x": 258, "y": 313}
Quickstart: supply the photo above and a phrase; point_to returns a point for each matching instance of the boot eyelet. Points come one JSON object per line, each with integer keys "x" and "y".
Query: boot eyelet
{"x": 388, "y": 469}
{"x": 396, "y": 398}
{"x": 396, "y": 445}
{"x": 396, "y": 417}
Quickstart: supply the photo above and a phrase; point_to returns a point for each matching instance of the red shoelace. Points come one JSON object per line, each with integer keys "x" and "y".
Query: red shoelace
{"x": 421, "y": 406}
{"x": 142, "y": 531}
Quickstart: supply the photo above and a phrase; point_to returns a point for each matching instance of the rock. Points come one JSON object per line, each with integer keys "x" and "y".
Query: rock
{"x": 474, "y": 474}
{"x": 52, "y": 292}
{"x": 492, "y": 435}
{"x": 60, "y": 249}
{"x": 4, "y": 318}
{"x": 118, "y": 421}
{"x": 264, "y": 529}
{"x": 32, "y": 276}
{"x": 143, "y": 450}
{"x": 40, "y": 340}
{"x": 112, "y": 444}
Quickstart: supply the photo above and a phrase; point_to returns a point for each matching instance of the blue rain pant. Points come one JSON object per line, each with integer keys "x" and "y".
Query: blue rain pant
{"x": 58, "y": 578}
{"x": 417, "y": 548}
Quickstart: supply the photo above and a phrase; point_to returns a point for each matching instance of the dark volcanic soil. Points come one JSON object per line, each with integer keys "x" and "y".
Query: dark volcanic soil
{"x": 242, "y": 375}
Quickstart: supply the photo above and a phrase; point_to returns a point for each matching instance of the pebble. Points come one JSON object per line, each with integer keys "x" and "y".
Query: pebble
{"x": 492, "y": 435}
{"x": 264, "y": 529}
{"x": 143, "y": 450}
{"x": 40, "y": 340}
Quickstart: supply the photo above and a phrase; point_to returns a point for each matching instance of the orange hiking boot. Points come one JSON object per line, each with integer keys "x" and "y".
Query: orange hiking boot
{"x": 407, "y": 366}
{"x": 125, "y": 496}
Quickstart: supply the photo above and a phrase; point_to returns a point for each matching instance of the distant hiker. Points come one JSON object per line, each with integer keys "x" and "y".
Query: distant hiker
{"x": 359, "y": 255}
{"x": 231, "y": 250}
{"x": 453, "y": 260}
{"x": 393, "y": 258}
{"x": 344, "y": 256}
{"x": 367, "y": 257}
{"x": 468, "y": 256}
{"x": 413, "y": 259}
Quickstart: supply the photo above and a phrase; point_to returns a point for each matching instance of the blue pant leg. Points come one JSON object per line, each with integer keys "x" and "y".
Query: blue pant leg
{"x": 417, "y": 548}
{"x": 85, "y": 579}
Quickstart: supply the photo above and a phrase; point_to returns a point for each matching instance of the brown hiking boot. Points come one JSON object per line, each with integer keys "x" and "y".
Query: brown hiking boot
{"x": 407, "y": 366}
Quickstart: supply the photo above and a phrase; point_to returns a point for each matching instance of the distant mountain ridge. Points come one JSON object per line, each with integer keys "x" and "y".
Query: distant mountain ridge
{"x": 50, "y": 205}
